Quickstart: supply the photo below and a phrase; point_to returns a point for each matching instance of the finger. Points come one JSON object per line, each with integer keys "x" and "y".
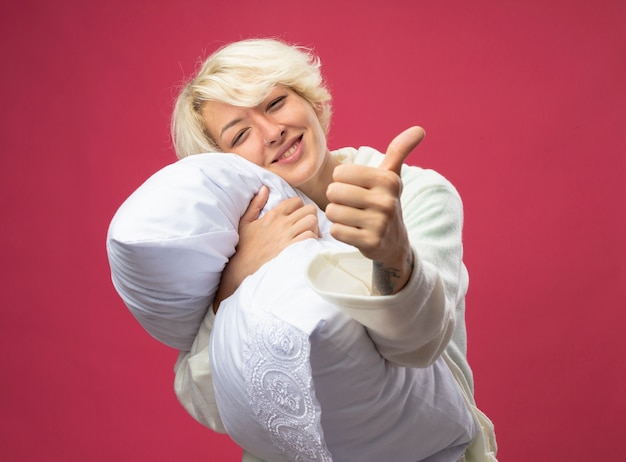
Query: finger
{"x": 350, "y": 235}
{"x": 355, "y": 218}
{"x": 363, "y": 176}
{"x": 400, "y": 147}
{"x": 305, "y": 227}
{"x": 348, "y": 194}
{"x": 302, "y": 212}
{"x": 341, "y": 214}
{"x": 256, "y": 205}
{"x": 288, "y": 206}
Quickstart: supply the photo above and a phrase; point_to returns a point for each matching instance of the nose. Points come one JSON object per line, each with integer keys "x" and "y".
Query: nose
{"x": 272, "y": 131}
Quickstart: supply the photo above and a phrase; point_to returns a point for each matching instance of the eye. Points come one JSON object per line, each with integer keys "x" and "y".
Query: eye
{"x": 276, "y": 103}
{"x": 238, "y": 137}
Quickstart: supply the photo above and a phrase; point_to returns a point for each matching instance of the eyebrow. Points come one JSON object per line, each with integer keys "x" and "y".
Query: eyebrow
{"x": 228, "y": 125}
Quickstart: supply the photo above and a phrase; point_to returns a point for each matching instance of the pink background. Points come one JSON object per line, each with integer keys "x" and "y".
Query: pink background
{"x": 524, "y": 103}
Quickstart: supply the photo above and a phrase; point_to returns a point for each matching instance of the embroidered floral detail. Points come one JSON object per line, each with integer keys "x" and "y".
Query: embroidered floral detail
{"x": 279, "y": 380}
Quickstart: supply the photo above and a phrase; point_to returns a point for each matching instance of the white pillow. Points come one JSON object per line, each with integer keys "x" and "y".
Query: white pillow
{"x": 169, "y": 241}
{"x": 295, "y": 378}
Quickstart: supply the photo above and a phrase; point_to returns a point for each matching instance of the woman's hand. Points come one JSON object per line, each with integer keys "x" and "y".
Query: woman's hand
{"x": 261, "y": 239}
{"x": 366, "y": 212}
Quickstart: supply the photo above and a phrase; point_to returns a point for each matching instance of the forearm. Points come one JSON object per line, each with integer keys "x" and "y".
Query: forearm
{"x": 229, "y": 282}
{"x": 410, "y": 328}
{"x": 388, "y": 279}
{"x": 433, "y": 215}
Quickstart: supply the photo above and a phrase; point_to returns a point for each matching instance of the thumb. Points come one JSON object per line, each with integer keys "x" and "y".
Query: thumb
{"x": 256, "y": 205}
{"x": 400, "y": 147}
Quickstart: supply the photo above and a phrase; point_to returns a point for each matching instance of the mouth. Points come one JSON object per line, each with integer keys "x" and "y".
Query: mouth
{"x": 290, "y": 151}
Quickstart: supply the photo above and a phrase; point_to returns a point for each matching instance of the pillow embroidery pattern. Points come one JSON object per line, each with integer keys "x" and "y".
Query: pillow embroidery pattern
{"x": 278, "y": 372}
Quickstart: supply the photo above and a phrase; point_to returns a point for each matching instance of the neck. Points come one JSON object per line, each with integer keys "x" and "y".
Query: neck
{"x": 316, "y": 188}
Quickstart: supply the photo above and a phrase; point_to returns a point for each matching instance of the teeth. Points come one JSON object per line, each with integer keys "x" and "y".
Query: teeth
{"x": 291, "y": 150}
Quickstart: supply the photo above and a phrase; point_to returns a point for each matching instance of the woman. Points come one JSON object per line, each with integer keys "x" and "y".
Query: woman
{"x": 265, "y": 101}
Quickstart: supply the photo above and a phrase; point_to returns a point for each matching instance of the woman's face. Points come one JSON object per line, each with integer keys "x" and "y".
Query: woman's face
{"x": 282, "y": 134}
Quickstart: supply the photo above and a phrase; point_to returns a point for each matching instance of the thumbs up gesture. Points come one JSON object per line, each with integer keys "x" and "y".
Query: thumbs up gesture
{"x": 400, "y": 147}
{"x": 364, "y": 206}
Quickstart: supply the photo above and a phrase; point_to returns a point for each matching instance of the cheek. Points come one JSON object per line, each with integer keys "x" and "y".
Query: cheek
{"x": 251, "y": 150}
{"x": 249, "y": 156}
{"x": 320, "y": 113}
{"x": 320, "y": 133}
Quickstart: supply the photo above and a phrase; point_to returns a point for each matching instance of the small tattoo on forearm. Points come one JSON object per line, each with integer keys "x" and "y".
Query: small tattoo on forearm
{"x": 385, "y": 279}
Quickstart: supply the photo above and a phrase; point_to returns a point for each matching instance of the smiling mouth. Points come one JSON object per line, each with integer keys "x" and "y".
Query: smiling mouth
{"x": 289, "y": 152}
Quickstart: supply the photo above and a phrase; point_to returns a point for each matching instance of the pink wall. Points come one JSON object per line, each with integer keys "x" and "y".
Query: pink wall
{"x": 524, "y": 103}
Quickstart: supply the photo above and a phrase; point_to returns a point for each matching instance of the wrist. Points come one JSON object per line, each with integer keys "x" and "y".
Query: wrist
{"x": 390, "y": 276}
{"x": 230, "y": 280}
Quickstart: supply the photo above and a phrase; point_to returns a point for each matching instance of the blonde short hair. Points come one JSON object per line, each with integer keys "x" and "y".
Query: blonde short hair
{"x": 242, "y": 74}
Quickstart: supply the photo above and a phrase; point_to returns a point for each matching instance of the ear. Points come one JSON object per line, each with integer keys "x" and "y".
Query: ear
{"x": 320, "y": 109}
